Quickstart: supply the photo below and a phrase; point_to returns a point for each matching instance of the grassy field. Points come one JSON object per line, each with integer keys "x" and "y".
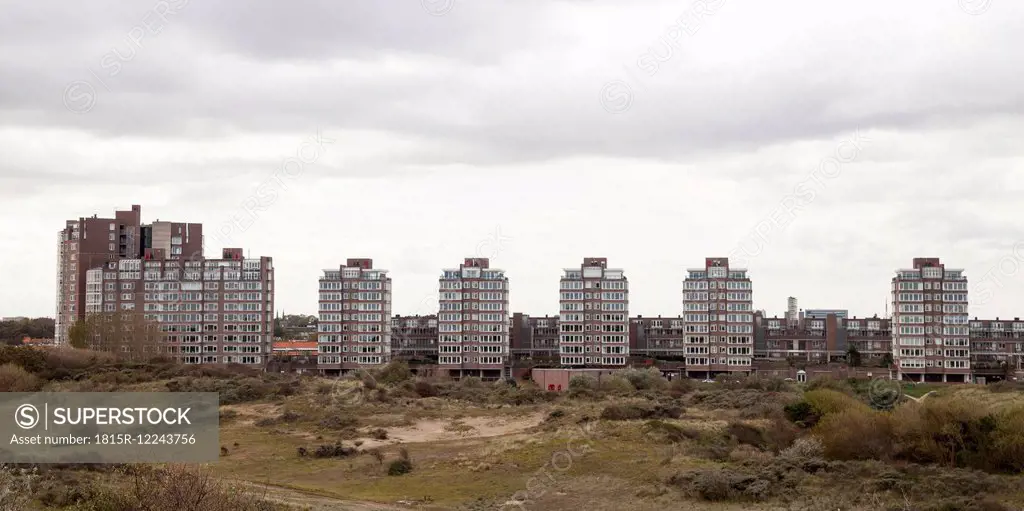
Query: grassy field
{"x": 633, "y": 443}
{"x": 556, "y": 455}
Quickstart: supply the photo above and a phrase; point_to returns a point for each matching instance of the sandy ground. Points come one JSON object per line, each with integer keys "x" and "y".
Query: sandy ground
{"x": 248, "y": 414}
{"x": 314, "y": 502}
{"x": 461, "y": 429}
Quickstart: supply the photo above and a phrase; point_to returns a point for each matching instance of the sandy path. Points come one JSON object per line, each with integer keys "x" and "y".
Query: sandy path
{"x": 461, "y": 429}
{"x": 315, "y": 502}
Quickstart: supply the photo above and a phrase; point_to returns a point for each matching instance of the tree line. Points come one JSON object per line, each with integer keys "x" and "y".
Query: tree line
{"x": 127, "y": 334}
{"x": 12, "y": 331}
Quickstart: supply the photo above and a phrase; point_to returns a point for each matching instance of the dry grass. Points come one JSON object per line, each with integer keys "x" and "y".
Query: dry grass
{"x": 475, "y": 446}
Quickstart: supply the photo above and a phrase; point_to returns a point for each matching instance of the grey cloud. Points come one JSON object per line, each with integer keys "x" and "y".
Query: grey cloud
{"x": 465, "y": 101}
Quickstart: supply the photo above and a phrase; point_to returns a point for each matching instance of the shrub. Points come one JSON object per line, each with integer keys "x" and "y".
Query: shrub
{"x": 947, "y": 431}
{"x": 399, "y": 467}
{"x": 830, "y": 383}
{"x": 720, "y": 484}
{"x": 746, "y": 434}
{"x": 1008, "y": 440}
{"x": 339, "y": 422}
{"x": 13, "y": 378}
{"x": 856, "y": 433}
{"x": 671, "y": 433}
{"x": 334, "y": 451}
{"x": 425, "y": 389}
{"x": 767, "y": 384}
{"x": 378, "y": 434}
{"x": 825, "y": 402}
{"x": 616, "y": 385}
{"x": 808, "y": 447}
{"x": 626, "y": 412}
{"x": 801, "y": 414}
{"x": 1005, "y": 386}
{"x": 176, "y": 488}
{"x": 644, "y": 379}
{"x": 395, "y": 372}
{"x": 582, "y": 382}
{"x": 378, "y": 455}
{"x": 16, "y": 484}
{"x": 28, "y": 358}
{"x": 681, "y": 386}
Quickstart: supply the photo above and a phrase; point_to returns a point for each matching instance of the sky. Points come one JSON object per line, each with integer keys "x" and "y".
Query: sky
{"x": 821, "y": 145}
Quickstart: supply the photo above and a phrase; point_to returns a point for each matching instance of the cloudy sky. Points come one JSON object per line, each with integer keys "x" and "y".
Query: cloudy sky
{"x": 822, "y": 145}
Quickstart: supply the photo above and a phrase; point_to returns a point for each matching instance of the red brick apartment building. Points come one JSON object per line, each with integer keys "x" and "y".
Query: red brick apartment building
{"x": 719, "y": 319}
{"x": 822, "y": 340}
{"x": 931, "y": 334}
{"x": 414, "y": 338}
{"x": 660, "y": 338}
{"x": 473, "y": 320}
{"x": 86, "y": 243}
{"x": 997, "y": 348}
{"x": 209, "y": 311}
{"x": 534, "y": 338}
{"x": 594, "y": 315}
{"x": 354, "y": 327}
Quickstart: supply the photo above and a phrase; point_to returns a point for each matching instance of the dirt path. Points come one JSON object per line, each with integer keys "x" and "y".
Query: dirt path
{"x": 314, "y": 502}
{"x": 460, "y": 429}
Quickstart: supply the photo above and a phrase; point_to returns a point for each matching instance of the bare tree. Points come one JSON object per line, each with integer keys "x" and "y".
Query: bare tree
{"x": 126, "y": 334}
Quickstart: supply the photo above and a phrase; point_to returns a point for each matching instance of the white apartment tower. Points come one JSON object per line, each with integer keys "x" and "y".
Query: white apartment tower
{"x": 354, "y": 328}
{"x": 593, "y": 315}
{"x": 473, "y": 320}
{"x": 718, "y": 319}
{"x": 930, "y": 326}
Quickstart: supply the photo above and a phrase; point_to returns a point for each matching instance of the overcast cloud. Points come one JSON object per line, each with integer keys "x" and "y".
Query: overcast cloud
{"x": 821, "y": 144}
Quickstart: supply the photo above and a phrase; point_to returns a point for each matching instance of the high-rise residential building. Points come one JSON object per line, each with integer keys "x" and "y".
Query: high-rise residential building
{"x": 593, "y": 315}
{"x": 719, "y": 319}
{"x": 930, "y": 323}
{"x": 87, "y": 243}
{"x": 473, "y": 320}
{"x": 792, "y": 311}
{"x": 204, "y": 311}
{"x": 354, "y": 327}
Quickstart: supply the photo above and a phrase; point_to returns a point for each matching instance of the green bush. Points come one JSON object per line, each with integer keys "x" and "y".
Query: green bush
{"x": 617, "y": 385}
{"x": 395, "y": 372}
{"x": 644, "y": 379}
{"x": 801, "y": 414}
{"x": 856, "y": 433}
{"x": 826, "y": 401}
{"x": 399, "y": 467}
